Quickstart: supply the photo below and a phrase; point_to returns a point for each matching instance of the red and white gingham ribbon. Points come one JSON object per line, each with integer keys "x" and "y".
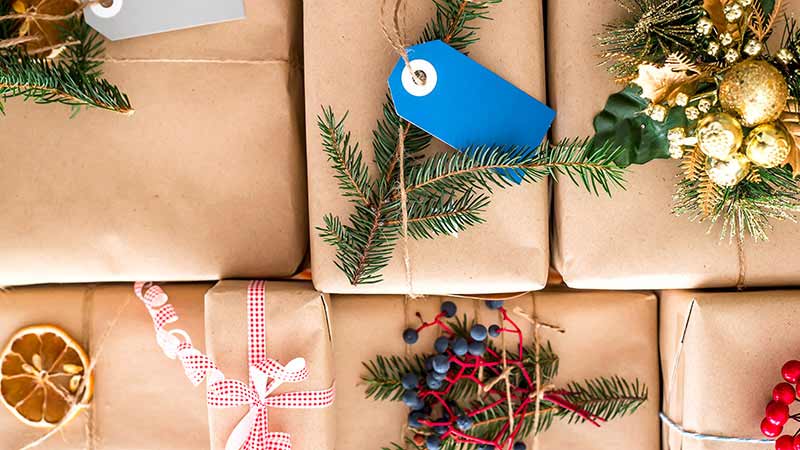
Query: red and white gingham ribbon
{"x": 266, "y": 375}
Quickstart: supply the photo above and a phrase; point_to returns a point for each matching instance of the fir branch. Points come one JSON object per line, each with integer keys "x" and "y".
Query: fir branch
{"x": 45, "y": 81}
{"x": 607, "y": 398}
{"x": 87, "y": 47}
{"x": 384, "y": 143}
{"x": 384, "y": 375}
{"x": 345, "y": 159}
{"x": 483, "y": 166}
{"x": 548, "y": 361}
{"x": 366, "y": 247}
{"x": 446, "y": 215}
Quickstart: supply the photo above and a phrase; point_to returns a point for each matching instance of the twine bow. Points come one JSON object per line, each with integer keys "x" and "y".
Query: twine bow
{"x": 266, "y": 375}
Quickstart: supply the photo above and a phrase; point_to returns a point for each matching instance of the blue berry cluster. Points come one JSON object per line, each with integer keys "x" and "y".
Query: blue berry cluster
{"x": 437, "y": 367}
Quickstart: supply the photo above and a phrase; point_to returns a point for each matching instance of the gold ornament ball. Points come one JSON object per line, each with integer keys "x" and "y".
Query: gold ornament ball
{"x": 755, "y": 90}
{"x": 729, "y": 173}
{"x": 768, "y": 145}
{"x": 719, "y": 136}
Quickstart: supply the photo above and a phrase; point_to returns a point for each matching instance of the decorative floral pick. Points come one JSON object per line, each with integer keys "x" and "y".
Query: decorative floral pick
{"x": 471, "y": 392}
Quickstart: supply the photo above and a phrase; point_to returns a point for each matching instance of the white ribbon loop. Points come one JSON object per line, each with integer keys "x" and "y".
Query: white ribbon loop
{"x": 266, "y": 375}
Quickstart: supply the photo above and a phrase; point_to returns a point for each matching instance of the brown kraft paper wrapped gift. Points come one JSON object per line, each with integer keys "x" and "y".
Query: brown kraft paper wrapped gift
{"x": 297, "y": 326}
{"x": 350, "y": 60}
{"x": 140, "y": 396}
{"x": 632, "y": 241}
{"x": 735, "y": 346}
{"x": 205, "y": 180}
{"x": 622, "y": 341}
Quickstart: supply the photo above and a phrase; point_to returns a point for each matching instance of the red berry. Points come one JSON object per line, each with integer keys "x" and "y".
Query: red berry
{"x": 791, "y": 371}
{"x": 769, "y": 429}
{"x": 783, "y": 393}
{"x": 796, "y": 443}
{"x": 784, "y": 442}
{"x": 777, "y": 413}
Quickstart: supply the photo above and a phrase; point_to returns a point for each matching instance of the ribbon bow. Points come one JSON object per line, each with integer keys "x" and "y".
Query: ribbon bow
{"x": 266, "y": 375}
{"x": 252, "y": 432}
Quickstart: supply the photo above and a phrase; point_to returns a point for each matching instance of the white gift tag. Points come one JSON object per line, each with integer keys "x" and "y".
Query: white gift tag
{"x": 125, "y": 19}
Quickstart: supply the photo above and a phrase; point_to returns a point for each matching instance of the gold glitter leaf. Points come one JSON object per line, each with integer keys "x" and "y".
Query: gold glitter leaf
{"x": 710, "y": 194}
{"x": 664, "y": 83}
{"x": 658, "y": 83}
{"x": 694, "y": 164}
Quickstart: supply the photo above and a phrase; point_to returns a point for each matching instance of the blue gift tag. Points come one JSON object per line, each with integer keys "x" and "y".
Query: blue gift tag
{"x": 465, "y": 104}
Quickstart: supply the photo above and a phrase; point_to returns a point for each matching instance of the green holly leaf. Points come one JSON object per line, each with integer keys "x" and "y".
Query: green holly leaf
{"x": 768, "y": 6}
{"x": 624, "y": 123}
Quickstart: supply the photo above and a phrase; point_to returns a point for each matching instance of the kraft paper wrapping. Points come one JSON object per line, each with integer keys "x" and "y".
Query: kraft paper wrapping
{"x": 297, "y": 326}
{"x": 735, "y": 346}
{"x": 607, "y": 333}
{"x": 208, "y": 169}
{"x": 141, "y": 397}
{"x": 350, "y": 60}
{"x": 632, "y": 241}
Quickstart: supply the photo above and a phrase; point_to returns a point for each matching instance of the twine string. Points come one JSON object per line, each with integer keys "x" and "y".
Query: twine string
{"x": 395, "y": 34}
{"x": 73, "y": 403}
{"x": 507, "y": 372}
{"x": 537, "y": 406}
{"x": 401, "y": 157}
{"x": 540, "y": 390}
{"x": 13, "y": 42}
{"x": 407, "y": 354}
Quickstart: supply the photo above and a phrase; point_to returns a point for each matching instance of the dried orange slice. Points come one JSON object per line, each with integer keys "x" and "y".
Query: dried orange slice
{"x": 42, "y": 377}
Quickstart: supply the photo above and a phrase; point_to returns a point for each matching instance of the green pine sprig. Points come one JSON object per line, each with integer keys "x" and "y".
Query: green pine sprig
{"x": 45, "y": 81}
{"x": 86, "y": 48}
{"x": 606, "y": 397}
{"x": 73, "y": 78}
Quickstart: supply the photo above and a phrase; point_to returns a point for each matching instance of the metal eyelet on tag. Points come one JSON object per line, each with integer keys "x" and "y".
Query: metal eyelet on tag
{"x": 412, "y": 86}
{"x": 457, "y": 86}
{"x": 106, "y": 12}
